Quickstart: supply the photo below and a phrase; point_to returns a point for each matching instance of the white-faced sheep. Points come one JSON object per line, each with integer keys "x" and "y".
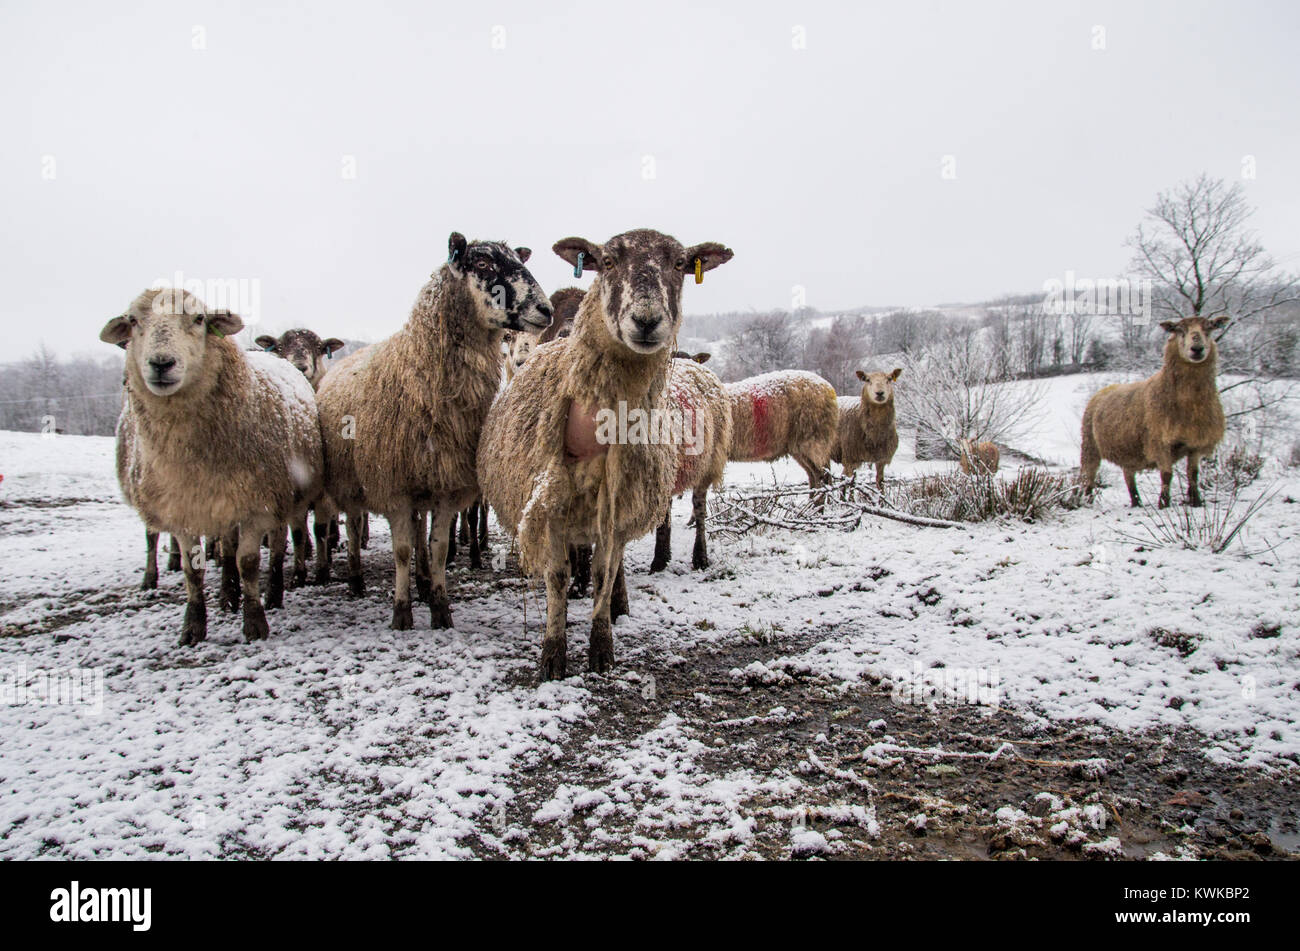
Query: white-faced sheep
{"x": 784, "y": 413}
{"x": 222, "y": 443}
{"x": 979, "y": 457}
{"x": 401, "y": 419}
{"x": 867, "y": 432}
{"x": 1156, "y": 422}
{"x": 706, "y": 420}
{"x": 570, "y": 453}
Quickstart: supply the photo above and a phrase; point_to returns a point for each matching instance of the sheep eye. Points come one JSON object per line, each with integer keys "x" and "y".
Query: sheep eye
{"x": 607, "y": 263}
{"x": 198, "y": 320}
{"x": 681, "y": 263}
{"x": 484, "y": 265}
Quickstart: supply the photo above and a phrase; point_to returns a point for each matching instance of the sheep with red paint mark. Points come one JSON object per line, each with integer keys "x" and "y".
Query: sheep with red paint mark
{"x": 785, "y": 413}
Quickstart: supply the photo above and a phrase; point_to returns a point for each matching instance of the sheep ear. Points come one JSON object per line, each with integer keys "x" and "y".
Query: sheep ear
{"x": 266, "y": 342}
{"x": 456, "y": 245}
{"x": 570, "y": 248}
{"x": 862, "y": 376}
{"x": 702, "y": 357}
{"x": 710, "y": 254}
{"x": 332, "y": 344}
{"x": 524, "y": 254}
{"x": 117, "y": 330}
{"x": 224, "y": 324}
{"x": 898, "y": 371}
{"x": 1218, "y": 323}
{"x": 1171, "y": 326}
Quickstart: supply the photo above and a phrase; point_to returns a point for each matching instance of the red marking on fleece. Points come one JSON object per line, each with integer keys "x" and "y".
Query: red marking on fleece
{"x": 687, "y": 464}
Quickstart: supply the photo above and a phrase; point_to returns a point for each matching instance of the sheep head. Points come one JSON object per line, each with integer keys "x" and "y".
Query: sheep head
{"x": 878, "y": 387}
{"x": 519, "y": 347}
{"x": 166, "y": 333}
{"x": 505, "y": 293}
{"x": 303, "y": 349}
{"x": 639, "y": 278}
{"x": 1192, "y": 338}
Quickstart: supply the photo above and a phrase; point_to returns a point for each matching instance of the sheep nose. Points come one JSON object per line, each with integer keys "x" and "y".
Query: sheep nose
{"x": 161, "y": 366}
{"x": 546, "y": 309}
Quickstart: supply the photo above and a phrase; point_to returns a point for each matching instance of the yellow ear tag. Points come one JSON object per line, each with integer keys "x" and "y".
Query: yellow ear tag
{"x": 699, "y": 272}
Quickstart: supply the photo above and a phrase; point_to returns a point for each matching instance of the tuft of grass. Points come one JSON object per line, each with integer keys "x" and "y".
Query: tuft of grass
{"x": 1212, "y": 527}
{"x": 1029, "y": 496}
{"x": 1232, "y": 470}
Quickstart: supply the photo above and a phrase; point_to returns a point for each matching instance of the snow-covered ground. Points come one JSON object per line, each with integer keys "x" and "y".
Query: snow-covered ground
{"x": 338, "y": 737}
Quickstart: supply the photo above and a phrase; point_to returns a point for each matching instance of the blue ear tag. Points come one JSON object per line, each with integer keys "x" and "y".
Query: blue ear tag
{"x": 451, "y": 258}
{"x": 577, "y": 268}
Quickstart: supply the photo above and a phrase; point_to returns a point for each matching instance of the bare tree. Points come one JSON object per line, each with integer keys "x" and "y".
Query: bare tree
{"x": 837, "y": 352}
{"x": 765, "y": 342}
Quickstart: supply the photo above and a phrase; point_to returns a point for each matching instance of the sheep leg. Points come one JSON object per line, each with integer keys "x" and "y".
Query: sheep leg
{"x": 1194, "y": 480}
{"x": 333, "y": 535}
{"x": 320, "y": 528}
{"x": 470, "y": 518}
{"x": 195, "y": 628}
{"x": 401, "y": 524}
{"x": 605, "y": 563}
{"x": 699, "y": 505}
{"x": 663, "y": 542}
{"x": 301, "y": 551}
{"x": 356, "y": 541}
{"x": 1166, "y": 483}
{"x": 249, "y": 555}
{"x": 580, "y": 566}
{"x": 618, "y": 600}
{"x": 484, "y": 543}
{"x": 212, "y": 548}
{"x": 463, "y": 531}
{"x": 451, "y": 541}
{"x": 422, "y": 584}
{"x": 1130, "y": 479}
{"x": 229, "y": 600}
{"x": 880, "y": 476}
{"x": 555, "y": 642}
{"x": 439, "y": 605}
{"x": 150, "y": 581}
{"x": 274, "y": 597}
{"x": 174, "y": 559}
{"x": 852, "y": 473}
{"x": 365, "y": 529}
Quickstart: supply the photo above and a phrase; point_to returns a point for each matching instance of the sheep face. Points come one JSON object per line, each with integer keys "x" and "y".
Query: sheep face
{"x": 640, "y": 282}
{"x": 166, "y": 333}
{"x": 519, "y": 347}
{"x": 878, "y": 388}
{"x": 303, "y": 349}
{"x": 506, "y": 293}
{"x": 1193, "y": 337}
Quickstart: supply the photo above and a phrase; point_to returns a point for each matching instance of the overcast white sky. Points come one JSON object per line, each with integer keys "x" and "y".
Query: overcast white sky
{"x": 819, "y": 166}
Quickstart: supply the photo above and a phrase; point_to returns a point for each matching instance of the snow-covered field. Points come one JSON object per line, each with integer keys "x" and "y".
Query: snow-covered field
{"x": 338, "y": 737}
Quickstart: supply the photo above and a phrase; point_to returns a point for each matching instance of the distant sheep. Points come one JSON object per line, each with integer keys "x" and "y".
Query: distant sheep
{"x": 1154, "y": 423}
{"x": 217, "y": 442}
{"x": 555, "y": 467}
{"x": 401, "y": 419}
{"x": 979, "y": 457}
{"x": 785, "y": 413}
{"x": 701, "y": 460}
{"x": 867, "y": 432}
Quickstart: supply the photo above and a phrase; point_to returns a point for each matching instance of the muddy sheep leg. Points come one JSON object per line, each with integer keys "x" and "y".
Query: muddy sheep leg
{"x": 195, "y": 627}
{"x": 301, "y": 551}
{"x": 419, "y": 522}
{"x": 229, "y": 600}
{"x": 150, "y": 581}
{"x": 700, "y": 508}
{"x": 1130, "y": 479}
{"x": 484, "y": 543}
{"x": 365, "y": 529}
{"x": 880, "y": 476}
{"x": 580, "y": 568}
{"x": 174, "y": 559}
{"x": 555, "y": 642}
{"x": 663, "y": 542}
{"x": 356, "y": 535}
{"x": 274, "y": 597}
{"x": 606, "y": 560}
{"x": 451, "y": 542}
{"x": 1194, "y": 480}
{"x": 324, "y": 520}
{"x": 249, "y": 556}
{"x": 439, "y": 603}
{"x": 618, "y": 606}
{"x": 1166, "y": 483}
{"x": 400, "y": 525}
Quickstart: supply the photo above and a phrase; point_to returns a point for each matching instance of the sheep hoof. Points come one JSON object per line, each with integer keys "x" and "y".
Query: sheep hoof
{"x": 553, "y": 659}
{"x": 475, "y": 561}
{"x": 1196, "y": 502}
{"x": 274, "y": 596}
{"x": 423, "y": 589}
{"x": 356, "y": 585}
{"x": 322, "y": 575}
{"x": 658, "y": 565}
{"x": 196, "y": 624}
{"x": 402, "y": 620}
{"x": 439, "y": 610}
{"x": 150, "y": 581}
{"x": 255, "y": 626}
{"x": 299, "y": 579}
{"x": 699, "y": 559}
{"x": 600, "y": 651}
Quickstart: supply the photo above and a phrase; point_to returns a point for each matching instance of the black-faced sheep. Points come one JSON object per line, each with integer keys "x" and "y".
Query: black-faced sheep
{"x": 784, "y": 413}
{"x": 1154, "y": 423}
{"x": 401, "y": 419}
{"x": 569, "y": 455}
{"x": 223, "y": 443}
{"x": 867, "y": 432}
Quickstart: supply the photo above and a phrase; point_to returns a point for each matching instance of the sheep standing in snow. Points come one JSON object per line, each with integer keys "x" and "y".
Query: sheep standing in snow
{"x": 1154, "y": 423}
{"x": 221, "y": 443}
{"x": 785, "y": 413}
{"x": 570, "y": 452}
{"x": 867, "y": 431}
{"x": 979, "y": 457}
{"x": 401, "y": 419}
{"x": 701, "y": 460}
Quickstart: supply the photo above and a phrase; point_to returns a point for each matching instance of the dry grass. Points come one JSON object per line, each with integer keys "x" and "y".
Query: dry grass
{"x": 1028, "y": 496}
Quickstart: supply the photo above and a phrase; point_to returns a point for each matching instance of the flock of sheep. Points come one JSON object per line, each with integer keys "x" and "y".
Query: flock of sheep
{"x": 237, "y": 446}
